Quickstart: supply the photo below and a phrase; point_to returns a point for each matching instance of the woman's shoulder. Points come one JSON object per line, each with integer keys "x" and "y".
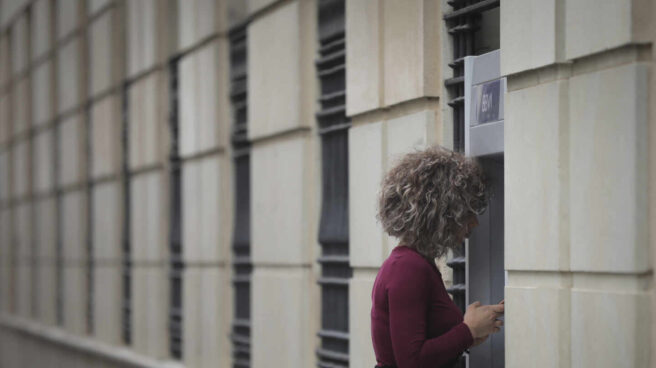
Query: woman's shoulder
{"x": 405, "y": 263}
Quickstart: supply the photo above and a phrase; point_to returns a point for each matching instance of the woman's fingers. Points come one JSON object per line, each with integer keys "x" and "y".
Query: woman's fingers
{"x": 498, "y": 323}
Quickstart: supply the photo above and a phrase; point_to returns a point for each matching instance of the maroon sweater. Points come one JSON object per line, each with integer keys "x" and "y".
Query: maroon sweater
{"x": 414, "y": 322}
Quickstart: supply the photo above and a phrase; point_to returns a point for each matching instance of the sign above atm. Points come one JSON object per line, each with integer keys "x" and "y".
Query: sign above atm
{"x": 487, "y": 102}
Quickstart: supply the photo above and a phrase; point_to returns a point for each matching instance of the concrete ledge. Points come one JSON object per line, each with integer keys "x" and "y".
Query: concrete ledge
{"x": 85, "y": 345}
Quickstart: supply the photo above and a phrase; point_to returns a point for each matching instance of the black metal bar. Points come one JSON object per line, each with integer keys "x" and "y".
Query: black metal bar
{"x": 126, "y": 276}
{"x": 475, "y": 8}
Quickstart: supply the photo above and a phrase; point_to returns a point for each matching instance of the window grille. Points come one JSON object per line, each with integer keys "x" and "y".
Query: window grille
{"x": 176, "y": 263}
{"x": 126, "y": 274}
{"x": 89, "y": 234}
{"x": 333, "y": 229}
{"x": 241, "y": 242}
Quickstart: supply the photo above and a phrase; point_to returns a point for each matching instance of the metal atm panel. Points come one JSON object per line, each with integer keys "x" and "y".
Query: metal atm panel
{"x": 484, "y": 119}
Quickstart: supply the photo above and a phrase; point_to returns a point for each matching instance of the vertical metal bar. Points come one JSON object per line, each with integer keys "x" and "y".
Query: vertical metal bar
{"x": 126, "y": 276}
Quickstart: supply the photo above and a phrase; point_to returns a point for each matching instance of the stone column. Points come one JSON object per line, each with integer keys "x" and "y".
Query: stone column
{"x": 393, "y": 90}
{"x": 577, "y": 235}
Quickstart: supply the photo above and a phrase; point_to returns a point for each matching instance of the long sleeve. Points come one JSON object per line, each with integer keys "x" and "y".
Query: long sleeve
{"x": 409, "y": 302}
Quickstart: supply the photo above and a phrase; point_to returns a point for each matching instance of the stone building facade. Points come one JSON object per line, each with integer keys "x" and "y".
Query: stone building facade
{"x": 192, "y": 183}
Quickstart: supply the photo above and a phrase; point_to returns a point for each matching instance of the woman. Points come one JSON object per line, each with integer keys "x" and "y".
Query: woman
{"x": 429, "y": 201}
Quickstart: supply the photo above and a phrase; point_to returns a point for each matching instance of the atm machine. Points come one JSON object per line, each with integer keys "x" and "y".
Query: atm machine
{"x": 484, "y": 116}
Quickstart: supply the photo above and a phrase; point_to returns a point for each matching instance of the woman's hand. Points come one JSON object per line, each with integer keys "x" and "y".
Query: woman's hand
{"x": 482, "y": 319}
{"x": 480, "y": 340}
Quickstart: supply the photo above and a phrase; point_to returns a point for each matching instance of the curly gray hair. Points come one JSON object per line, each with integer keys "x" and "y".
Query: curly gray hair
{"x": 428, "y": 196}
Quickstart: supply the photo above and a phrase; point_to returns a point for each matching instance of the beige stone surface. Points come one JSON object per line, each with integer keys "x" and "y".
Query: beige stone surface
{"x": 363, "y": 62}
{"x": 23, "y": 290}
{"x": 19, "y": 45}
{"x": 103, "y": 51}
{"x": 411, "y": 132}
{"x": 149, "y": 311}
{"x": 205, "y": 331}
{"x": 20, "y": 107}
{"x": 5, "y": 236}
{"x": 43, "y": 169}
{"x": 610, "y": 328}
{"x": 529, "y": 34}
{"x": 280, "y": 204}
{"x": 70, "y": 148}
{"x": 366, "y": 169}
{"x": 280, "y": 58}
{"x": 93, "y": 6}
{"x": 197, "y": 19}
{"x": 106, "y": 144}
{"x": 255, "y": 5}
{"x": 5, "y": 57}
{"x": 5, "y": 121}
{"x": 146, "y": 121}
{"x": 45, "y": 229}
{"x": 281, "y": 315}
{"x": 69, "y": 75}
{"x": 202, "y": 220}
{"x": 360, "y": 347}
{"x": 199, "y": 123}
{"x": 20, "y": 169}
{"x": 608, "y": 170}
{"x": 68, "y": 15}
{"x": 46, "y": 293}
{"x": 73, "y": 227}
{"x": 411, "y": 36}
{"x": 5, "y": 178}
{"x": 42, "y": 94}
{"x": 537, "y": 326}
{"x": 537, "y": 212}
{"x": 74, "y": 299}
{"x": 107, "y": 303}
{"x": 148, "y": 217}
{"x": 41, "y": 34}
{"x": 5, "y": 288}
{"x": 142, "y": 35}
{"x": 593, "y": 26}
{"x": 107, "y": 219}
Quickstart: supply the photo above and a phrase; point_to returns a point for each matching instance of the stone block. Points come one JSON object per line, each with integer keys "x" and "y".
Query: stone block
{"x": 43, "y": 163}
{"x": 22, "y": 233}
{"x": 256, "y": 5}
{"x": 150, "y": 306}
{"x": 69, "y": 15}
{"x": 5, "y": 176}
{"x": 5, "y": 236}
{"x": 45, "y": 229}
{"x": 537, "y": 326}
{"x": 205, "y": 328}
{"x": 610, "y": 328}
{"x": 360, "y": 287}
{"x": 23, "y": 290}
{"x": 199, "y": 123}
{"x": 197, "y": 19}
{"x": 104, "y": 57}
{"x": 537, "y": 211}
{"x": 42, "y": 94}
{"x": 106, "y": 137}
{"x": 280, "y": 97}
{"x": 281, "y": 332}
{"x": 146, "y": 121}
{"x": 73, "y": 227}
{"x": 593, "y": 26}
{"x": 41, "y": 25}
{"x": 70, "y": 149}
{"x": 20, "y": 107}
{"x": 20, "y": 170}
{"x": 19, "y": 45}
{"x": 142, "y": 35}
{"x": 107, "y": 303}
{"x": 529, "y": 35}
{"x": 411, "y": 36}
{"x": 410, "y": 133}
{"x": 107, "y": 219}
{"x": 281, "y": 212}
{"x": 363, "y": 64}
{"x": 148, "y": 217}
{"x": 46, "y": 293}
{"x": 5, "y": 59}
{"x": 5, "y": 121}
{"x": 69, "y": 74}
{"x": 366, "y": 170}
{"x": 93, "y": 6}
{"x": 203, "y": 210}
{"x": 237, "y": 11}
{"x": 5, "y": 287}
{"x": 74, "y": 299}
{"x": 608, "y": 170}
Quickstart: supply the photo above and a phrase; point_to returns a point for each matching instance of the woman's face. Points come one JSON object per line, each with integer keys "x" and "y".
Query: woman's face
{"x": 465, "y": 231}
